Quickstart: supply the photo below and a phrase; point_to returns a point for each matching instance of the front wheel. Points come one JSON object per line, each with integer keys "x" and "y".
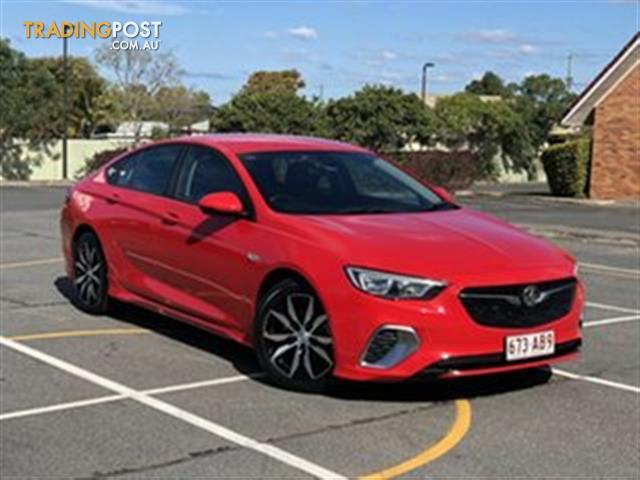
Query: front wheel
{"x": 90, "y": 274}
{"x": 293, "y": 340}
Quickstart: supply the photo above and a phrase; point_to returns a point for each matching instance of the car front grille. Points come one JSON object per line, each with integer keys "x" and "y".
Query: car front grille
{"x": 519, "y": 306}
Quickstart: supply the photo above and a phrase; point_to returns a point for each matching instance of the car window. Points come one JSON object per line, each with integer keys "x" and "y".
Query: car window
{"x": 153, "y": 168}
{"x": 206, "y": 171}
{"x": 336, "y": 183}
{"x": 120, "y": 172}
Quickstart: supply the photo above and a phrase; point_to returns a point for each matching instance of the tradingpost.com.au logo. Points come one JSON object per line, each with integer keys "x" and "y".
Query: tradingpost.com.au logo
{"x": 128, "y": 35}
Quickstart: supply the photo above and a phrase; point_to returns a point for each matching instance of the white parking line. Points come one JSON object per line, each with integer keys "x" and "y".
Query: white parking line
{"x": 613, "y": 308}
{"x": 113, "y": 398}
{"x": 611, "y": 321}
{"x": 176, "y": 412}
{"x": 606, "y": 268}
{"x": 596, "y": 380}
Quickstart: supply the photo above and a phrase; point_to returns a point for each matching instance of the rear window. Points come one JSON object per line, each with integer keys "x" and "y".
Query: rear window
{"x": 147, "y": 171}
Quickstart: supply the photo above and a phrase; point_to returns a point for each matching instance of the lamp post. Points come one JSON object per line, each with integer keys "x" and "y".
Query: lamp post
{"x": 425, "y": 69}
{"x": 65, "y": 98}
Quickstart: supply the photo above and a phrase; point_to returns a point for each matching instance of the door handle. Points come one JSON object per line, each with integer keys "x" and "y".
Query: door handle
{"x": 170, "y": 218}
{"x": 113, "y": 198}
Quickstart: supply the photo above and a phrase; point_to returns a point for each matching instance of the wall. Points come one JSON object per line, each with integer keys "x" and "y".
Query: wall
{"x": 615, "y": 156}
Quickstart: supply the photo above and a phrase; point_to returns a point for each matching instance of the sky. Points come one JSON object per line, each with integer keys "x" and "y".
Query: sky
{"x": 339, "y": 46}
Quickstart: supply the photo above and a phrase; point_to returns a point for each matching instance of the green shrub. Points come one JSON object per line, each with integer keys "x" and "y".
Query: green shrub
{"x": 566, "y": 165}
{"x": 98, "y": 160}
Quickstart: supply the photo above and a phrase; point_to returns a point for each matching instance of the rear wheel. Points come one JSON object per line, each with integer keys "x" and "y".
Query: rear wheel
{"x": 293, "y": 340}
{"x": 90, "y": 274}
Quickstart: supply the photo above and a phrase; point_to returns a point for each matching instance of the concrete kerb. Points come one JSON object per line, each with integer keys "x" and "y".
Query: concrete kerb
{"x": 583, "y": 234}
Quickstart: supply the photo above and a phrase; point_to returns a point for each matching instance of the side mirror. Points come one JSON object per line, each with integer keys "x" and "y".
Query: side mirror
{"x": 443, "y": 194}
{"x": 226, "y": 203}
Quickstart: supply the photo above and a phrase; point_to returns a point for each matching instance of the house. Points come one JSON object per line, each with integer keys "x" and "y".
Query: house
{"x": 139, "y": 129}
{"x": 610, "y": 105}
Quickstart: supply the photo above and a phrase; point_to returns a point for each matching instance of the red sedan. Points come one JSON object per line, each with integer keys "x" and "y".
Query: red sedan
{"x": 326, "y": 259}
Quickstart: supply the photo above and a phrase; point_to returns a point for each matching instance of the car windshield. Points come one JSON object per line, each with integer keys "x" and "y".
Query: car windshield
{"x": 334, "y": 183}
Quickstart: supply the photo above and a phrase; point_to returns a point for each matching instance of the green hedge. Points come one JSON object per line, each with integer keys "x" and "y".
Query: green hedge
{"x": 452, "y": 170}
{"x": 566, "y": 165}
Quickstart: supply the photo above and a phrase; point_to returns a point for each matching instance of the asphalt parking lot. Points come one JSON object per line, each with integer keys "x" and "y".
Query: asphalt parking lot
{"x": 138, "y": 395}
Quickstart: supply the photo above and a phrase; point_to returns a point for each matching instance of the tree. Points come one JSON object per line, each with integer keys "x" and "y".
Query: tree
{"x": 541, "y": 101}
{"x": 270, "y": 112}
{"x": 274, "y": 81}
{"x": 489, "y": 129}
{"x": 384, "y": 119}
{"x": 86, "y": 107}
{"x": 489, "y": 84}
{"x": 28, "y": 110}
{"x": 139, "y": 75}
{"x": 179, "y": 106}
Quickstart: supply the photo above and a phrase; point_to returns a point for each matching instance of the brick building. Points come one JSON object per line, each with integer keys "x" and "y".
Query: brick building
{"x": 610, "y": 104}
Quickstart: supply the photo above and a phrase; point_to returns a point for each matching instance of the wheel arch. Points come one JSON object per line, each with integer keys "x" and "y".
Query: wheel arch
{"x": 276, "y": 276}
{"x": 82, "y": 229}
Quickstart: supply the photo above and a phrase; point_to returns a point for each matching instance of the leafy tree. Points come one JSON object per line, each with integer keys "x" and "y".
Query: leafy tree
{"x": 86, "y": 87}
{"x": 139, "y": 75}
{"x": 274, "y": 81}
{"x": 384, "y": 119}
{"x": 489, "y": 129}
{"x": 179, "y": 106}
{"x": 489, "y": 84}
{"x": 541, "y": 101}
{"x": 28, "y": 109}
{"x": 270, "y": 112}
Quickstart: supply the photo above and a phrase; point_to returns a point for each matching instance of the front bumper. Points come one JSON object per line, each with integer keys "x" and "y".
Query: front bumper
{"x": 449, "y": 342}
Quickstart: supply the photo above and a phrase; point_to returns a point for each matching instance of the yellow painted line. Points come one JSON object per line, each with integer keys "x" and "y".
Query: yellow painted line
{"x": 30, "y": 263}
{"x": 455, "y": 434}
{"x": 78, "y": 333}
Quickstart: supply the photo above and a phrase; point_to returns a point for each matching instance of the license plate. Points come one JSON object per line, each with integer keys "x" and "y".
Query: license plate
{"x": 533, "y": 345}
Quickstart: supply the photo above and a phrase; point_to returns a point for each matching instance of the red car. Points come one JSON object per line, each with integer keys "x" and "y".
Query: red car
{"x": 326, "y": 259}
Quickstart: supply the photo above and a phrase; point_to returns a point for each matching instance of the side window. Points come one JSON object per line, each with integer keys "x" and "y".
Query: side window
{"x": 120, "y": 172}
{"x": 153, "y": 169}
{"x": 206, "y": 171}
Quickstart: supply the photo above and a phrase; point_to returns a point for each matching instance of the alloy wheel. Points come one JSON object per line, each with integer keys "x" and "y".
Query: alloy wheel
{"x": 297, "y": 338}
{"x": 88, "y": 273}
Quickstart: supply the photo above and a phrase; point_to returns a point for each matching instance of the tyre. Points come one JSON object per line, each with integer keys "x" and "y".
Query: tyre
{"x": 90, "y": 275}
{"x": 293, "y": 340}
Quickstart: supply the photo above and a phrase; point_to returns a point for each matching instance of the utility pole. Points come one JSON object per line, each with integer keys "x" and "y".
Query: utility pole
{"x": 65, "y": 99}
{"x": 425, "y": 69}
{"x": 569, "y": 79}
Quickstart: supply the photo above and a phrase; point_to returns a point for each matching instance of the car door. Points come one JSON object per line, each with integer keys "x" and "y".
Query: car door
{"x": 203, "y": 256}
{"x": 137, "y": 186}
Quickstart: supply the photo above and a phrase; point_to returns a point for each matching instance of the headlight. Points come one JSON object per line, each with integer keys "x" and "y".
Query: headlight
{"x": 392, "y": 286}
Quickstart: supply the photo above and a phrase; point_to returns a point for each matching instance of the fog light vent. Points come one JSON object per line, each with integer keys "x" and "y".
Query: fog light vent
{"x": 389, "y": 346}
{"x": 381, "y": 345}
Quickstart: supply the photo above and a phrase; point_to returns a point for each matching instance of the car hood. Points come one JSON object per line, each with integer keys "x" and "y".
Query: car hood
{"x": 460, "y": 241}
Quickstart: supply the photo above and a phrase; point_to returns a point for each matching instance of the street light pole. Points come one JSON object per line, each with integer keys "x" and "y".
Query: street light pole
{"x": 569, "y": 80}
{"x": 425, "y": 68}
{"x": 65, "y": 114}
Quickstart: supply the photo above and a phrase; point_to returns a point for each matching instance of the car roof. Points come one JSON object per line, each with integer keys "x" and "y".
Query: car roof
{"x": 260, "y": 142}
